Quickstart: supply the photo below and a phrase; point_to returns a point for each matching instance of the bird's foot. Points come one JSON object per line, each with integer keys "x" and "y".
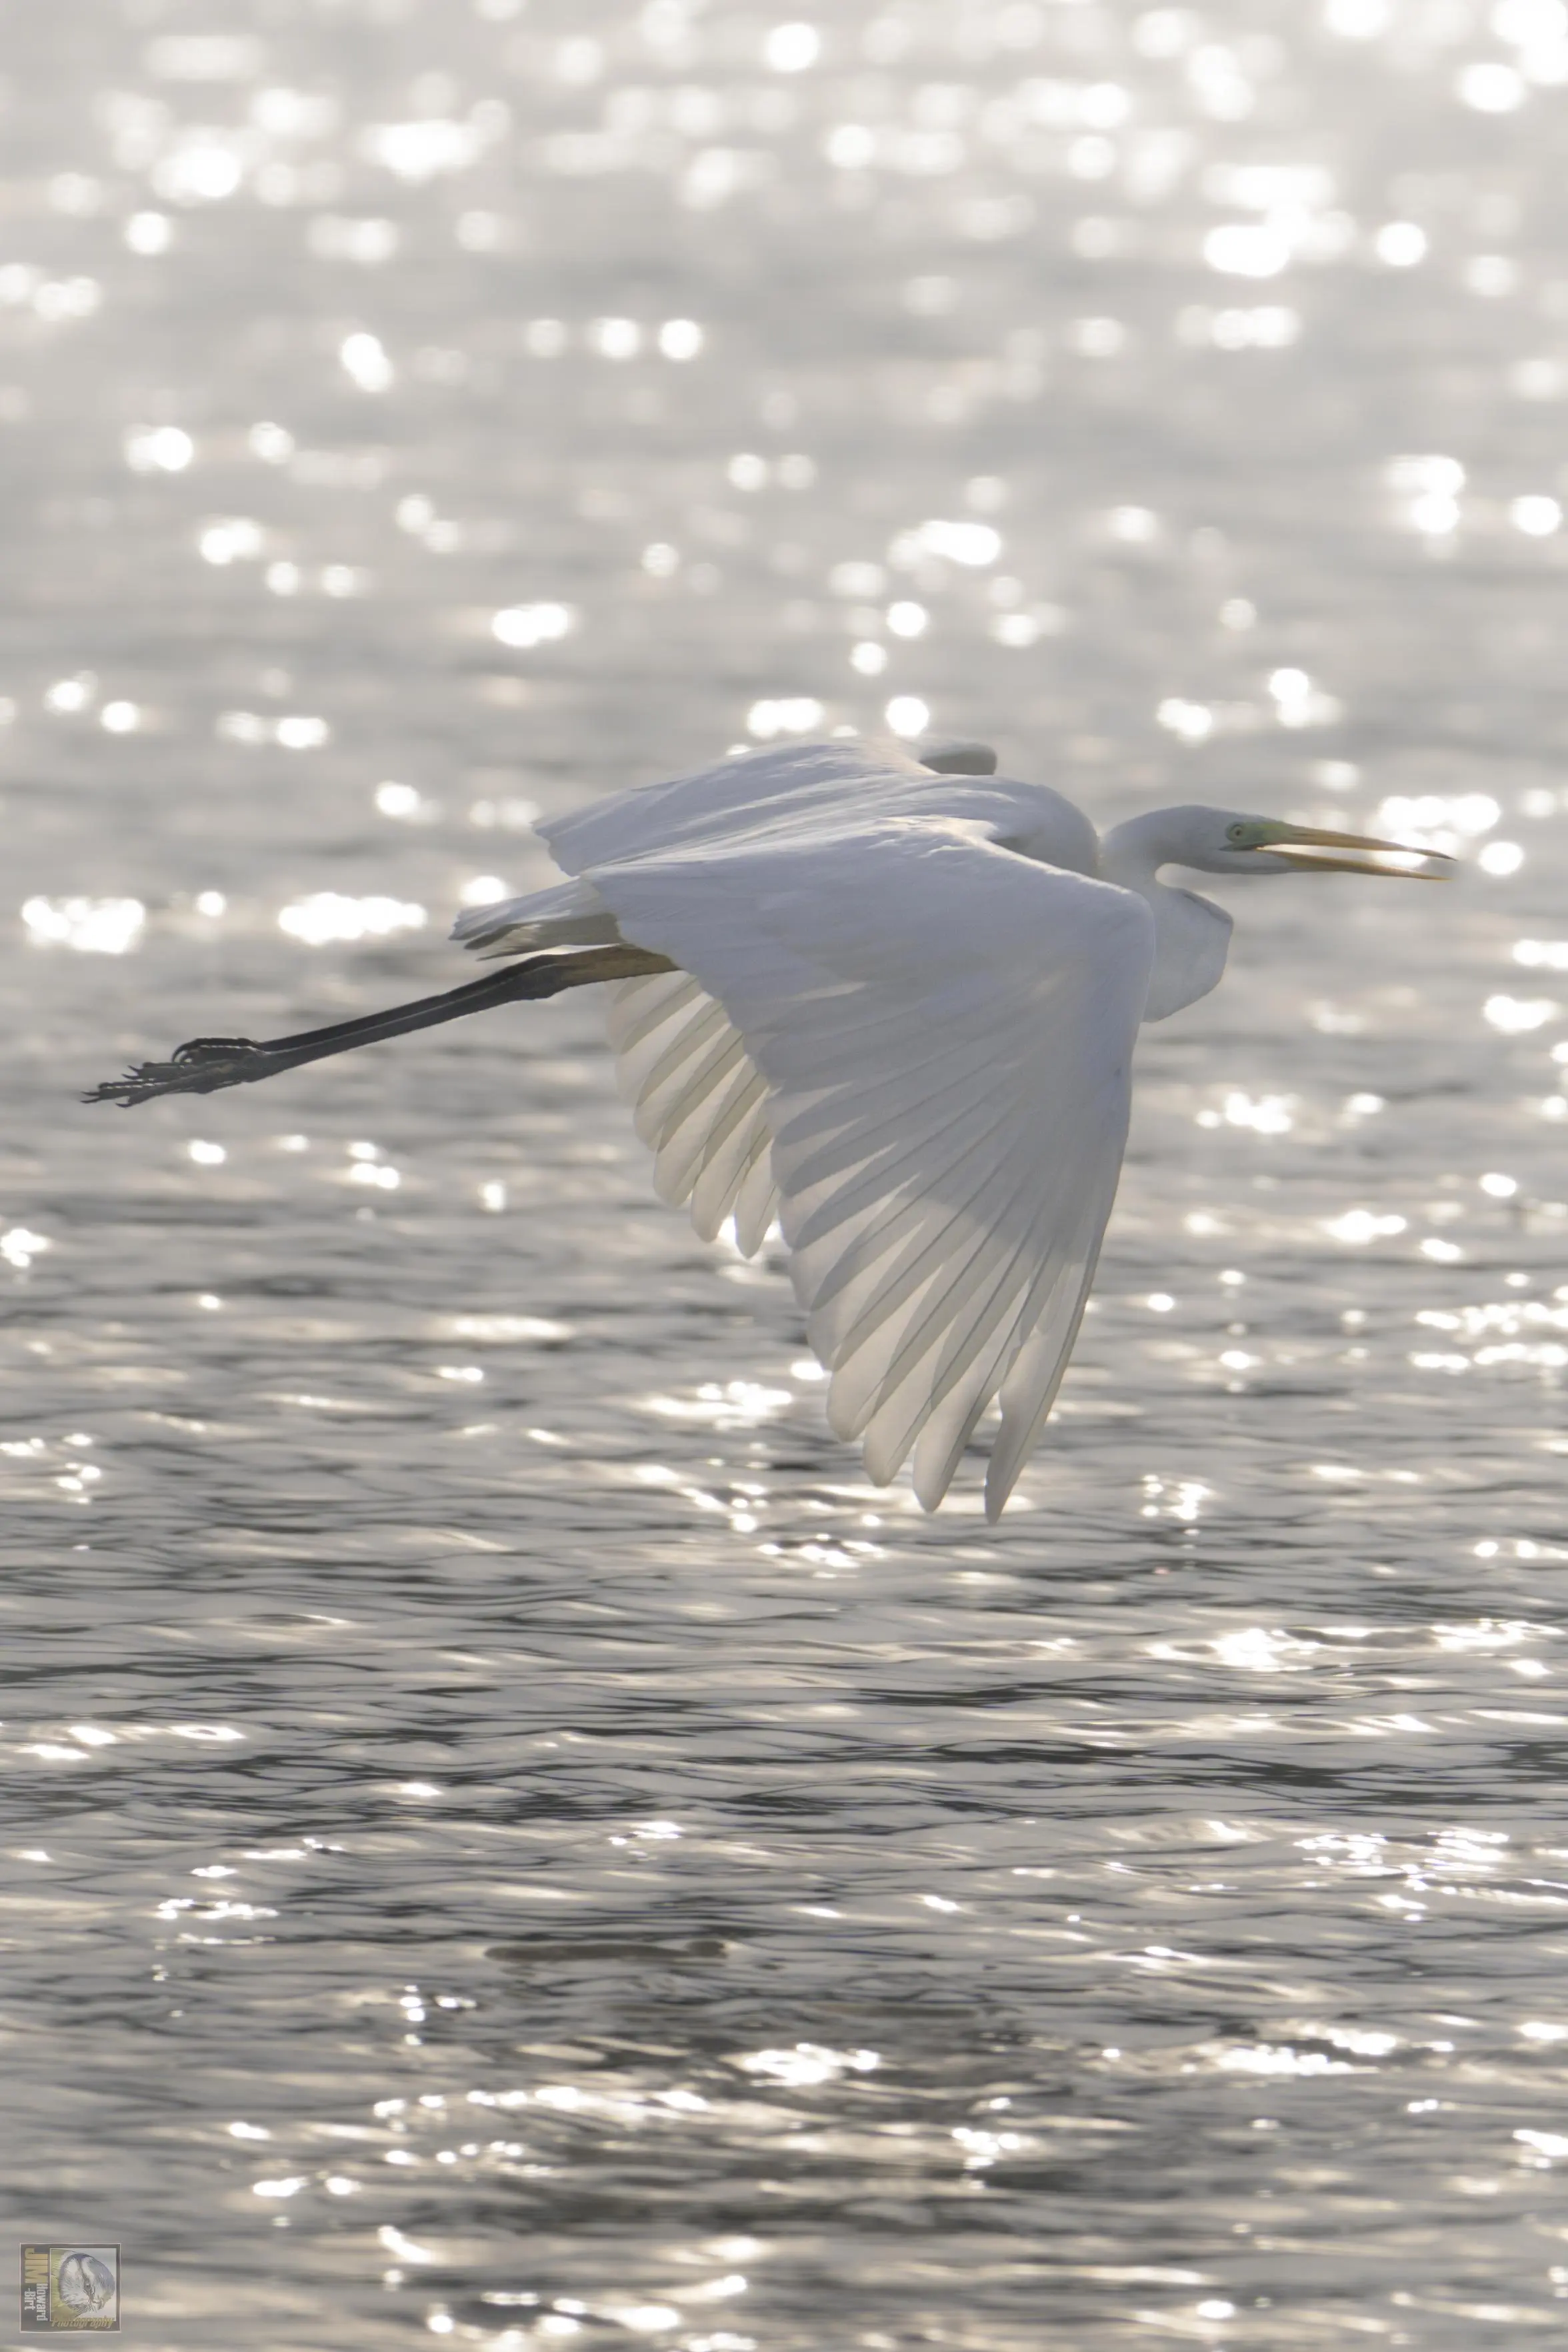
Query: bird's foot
{"x": 200, "y": 1066}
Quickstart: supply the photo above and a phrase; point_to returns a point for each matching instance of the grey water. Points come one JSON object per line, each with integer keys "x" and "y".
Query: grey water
{"x": 508, "y": 1836}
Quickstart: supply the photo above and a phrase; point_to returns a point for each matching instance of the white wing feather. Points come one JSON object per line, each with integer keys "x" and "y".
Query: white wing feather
{"x": 810, "y": 788}
{"x": 937, "y": 1035}
{"x": 698, "y": 1104}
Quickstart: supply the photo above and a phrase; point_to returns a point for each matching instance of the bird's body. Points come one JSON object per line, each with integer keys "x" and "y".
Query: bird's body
{"x": 893, "y": 1005}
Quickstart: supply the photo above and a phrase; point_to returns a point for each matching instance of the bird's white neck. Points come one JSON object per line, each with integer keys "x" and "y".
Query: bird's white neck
{"x": 1192, "y": 936}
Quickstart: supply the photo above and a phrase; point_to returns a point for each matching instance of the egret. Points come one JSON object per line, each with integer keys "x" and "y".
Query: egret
{"x": 891, "y": 1003}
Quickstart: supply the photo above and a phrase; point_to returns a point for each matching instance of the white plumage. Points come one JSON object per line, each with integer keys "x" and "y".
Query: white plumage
{"x": 901, "y": 1020}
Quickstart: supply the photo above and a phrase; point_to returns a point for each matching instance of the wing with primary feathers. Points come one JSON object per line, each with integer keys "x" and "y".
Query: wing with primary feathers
{"x": 934, "y": 1037}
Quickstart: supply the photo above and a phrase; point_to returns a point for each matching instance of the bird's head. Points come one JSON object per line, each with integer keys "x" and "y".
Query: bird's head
{"x": 1224, "y": 840}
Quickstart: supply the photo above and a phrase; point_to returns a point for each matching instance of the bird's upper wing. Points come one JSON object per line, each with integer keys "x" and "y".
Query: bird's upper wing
{"x": 793, "y": 783}
{"x": 944, "y": 1032}
{"x": 805, "y": 787}
{"x": 800, "y": 790}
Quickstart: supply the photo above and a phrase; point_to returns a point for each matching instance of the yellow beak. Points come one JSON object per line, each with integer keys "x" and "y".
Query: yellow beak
{"x": 1415, "y": 865}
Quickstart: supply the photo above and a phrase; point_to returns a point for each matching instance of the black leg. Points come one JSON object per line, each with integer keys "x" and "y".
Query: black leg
{"x": 204, "y": 1065}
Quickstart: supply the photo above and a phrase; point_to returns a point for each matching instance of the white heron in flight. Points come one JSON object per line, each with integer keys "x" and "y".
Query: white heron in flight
{"x": 892, "y": 1005}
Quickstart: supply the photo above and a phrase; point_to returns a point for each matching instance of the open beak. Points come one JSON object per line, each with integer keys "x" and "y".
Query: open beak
{"x": 1302, "y": 843}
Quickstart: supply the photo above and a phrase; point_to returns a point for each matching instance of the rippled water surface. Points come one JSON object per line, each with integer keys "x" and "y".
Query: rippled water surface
{"x": 508, "y": 1836}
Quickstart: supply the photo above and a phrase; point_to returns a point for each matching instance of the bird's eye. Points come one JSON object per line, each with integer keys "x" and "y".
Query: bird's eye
{"x": 1236, "y": 833}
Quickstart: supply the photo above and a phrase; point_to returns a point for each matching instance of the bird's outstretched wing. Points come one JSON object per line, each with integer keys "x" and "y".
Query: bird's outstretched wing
{"x": 944, "y": 1033}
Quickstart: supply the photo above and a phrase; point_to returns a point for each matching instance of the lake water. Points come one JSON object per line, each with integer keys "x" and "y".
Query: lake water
{"x": 509, "y": 1835}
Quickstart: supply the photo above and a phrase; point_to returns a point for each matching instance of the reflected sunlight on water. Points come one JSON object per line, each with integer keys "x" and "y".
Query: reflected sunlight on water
{"x": 514, "y": 1837}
